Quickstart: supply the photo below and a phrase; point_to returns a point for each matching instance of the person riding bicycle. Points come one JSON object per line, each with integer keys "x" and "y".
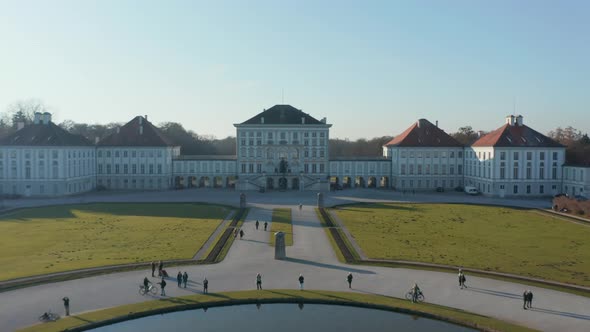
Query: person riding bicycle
{"x": 146, "y": 284}
{"x": 416, "y": 292}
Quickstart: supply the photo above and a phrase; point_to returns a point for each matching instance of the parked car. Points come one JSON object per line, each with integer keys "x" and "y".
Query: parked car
{"x": 581, "y": 198}
{"x": 440, "y": 189}
{"x": 471, "y": 190}
{"x": 560, "y": 195}
{"x": 459, "y": 188}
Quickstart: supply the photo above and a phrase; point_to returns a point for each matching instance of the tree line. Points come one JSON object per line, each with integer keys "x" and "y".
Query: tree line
{"x": 191, "y": 143}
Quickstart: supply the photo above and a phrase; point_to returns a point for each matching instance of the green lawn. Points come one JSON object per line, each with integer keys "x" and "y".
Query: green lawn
{"x": 281, "y": 221}
{"x": 59, "y": 238}
{"x": 516, "y": 241}
{"x": 277, "y": 296}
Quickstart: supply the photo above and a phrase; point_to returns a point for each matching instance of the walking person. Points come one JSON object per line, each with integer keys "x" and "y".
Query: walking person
{"x": 153, "y": 268}
{"x": 258, "y": 282}
{"x": 461, "y": 279}
{"x": 241, "y": 233}
{"x": 163, "y": 285}
{"x": 301, "y": 280}
{"x": 66, "y": 305}
{"x": 300, "y": 207}
{"x": 205, "y": 286}
{"x": 185, "y": 278}
{"x": 257, "y": 223}
{"x": 160, "y": 268}
{"x": 530, "y": 299}
{"x": 265, "y": 225}
{"x": 349, "y": 279}
{"x": 179, "y": 278}
{"x": 525, "y": 298}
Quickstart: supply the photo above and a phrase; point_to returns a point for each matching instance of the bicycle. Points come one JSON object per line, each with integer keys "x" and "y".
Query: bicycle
{"x": 151, "y": 289}
{"x": 49, "y": 317}
{"x": 410, "y": 296}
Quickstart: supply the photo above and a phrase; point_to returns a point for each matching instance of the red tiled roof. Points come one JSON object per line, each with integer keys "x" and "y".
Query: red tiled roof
{"x": 424, "y": 134}
{"x": 41, "y": 134}
{"x": 516, "y": 136}
{"x": 131, "y": 135}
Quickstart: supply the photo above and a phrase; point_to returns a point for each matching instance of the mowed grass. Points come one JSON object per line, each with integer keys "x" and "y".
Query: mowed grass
{"x": 518, "y": 241}
{"x": 60, "y": 238}
{"x": 278, "y": 296}
{"x": 281, "y": 222}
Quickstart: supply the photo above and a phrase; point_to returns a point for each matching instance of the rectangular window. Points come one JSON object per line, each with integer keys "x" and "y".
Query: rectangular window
{"x": 322, "y": 168}
{"x": 151, "y": 168}
{"x": 117, "y": 153}
{"x": 541, "y": 155}
{"x": 419, "y": 169}
{"x": 452, "y": 155}
{"x": 554, "y": 171}
{"x": 306, "y": 168}
{"x": 134, "y": 169}
{"x": 411, "y": 169}
{"x": 435, "y": 169}
{"x": 541, "y": 170}
{"x": 403, "y": 169}
{"x": 250, "y": 168}
{"x": 125, "y": 154}
{"x": 554, "y": 155}
{"x": 541, "y": 189}
{"x": 452, "y": 170}
{"x": 515, "y": 155}
{"x": 125, "y": 168}
{"x": 427, "y": 169}
{"x": 159, "y": 168}
{"x": 117, "y": 169}
{"x": 515, "y": 189}
{"x": 502, "y": 155}
{"x": 502, "y": 171}
{"x": 258, "y": 168}
{"x": 108, "y": 168}
{"x": 243, "y": 168}
{"x": 142, "y": 169}
{"x": 314, "y": 168}
{"x": 133, "y": 154}
{"x": 528, "y": 189}
{"x": 460, "y": 169}
{"x": 529, "y": 156}
{"x": 108, "y": 154}
{"x": 515, "y": 171}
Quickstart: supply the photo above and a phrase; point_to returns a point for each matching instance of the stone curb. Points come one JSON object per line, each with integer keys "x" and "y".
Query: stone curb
{"x": 184, "y": 307}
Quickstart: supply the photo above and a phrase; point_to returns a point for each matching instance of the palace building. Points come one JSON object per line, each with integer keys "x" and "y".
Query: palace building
{"x": 284, "y": 148}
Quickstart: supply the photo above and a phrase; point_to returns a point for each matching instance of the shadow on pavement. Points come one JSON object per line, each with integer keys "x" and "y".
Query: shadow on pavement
{"x": 328, "y": 266}
{"x": 255, "y": 241}
{"x": 493, "y": 292}
{"x": 561, "y": 313}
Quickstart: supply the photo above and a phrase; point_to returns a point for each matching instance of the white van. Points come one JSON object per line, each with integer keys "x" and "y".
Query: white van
{"x": 471, "y": 190}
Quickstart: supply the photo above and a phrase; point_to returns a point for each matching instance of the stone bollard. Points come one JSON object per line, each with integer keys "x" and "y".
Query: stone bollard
{"x": 280, "y": 252}
{"x": 320, "y": 200}
{"x": 242, "y": 201}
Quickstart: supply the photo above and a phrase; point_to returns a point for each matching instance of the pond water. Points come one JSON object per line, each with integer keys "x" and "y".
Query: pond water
{"x": 283, "y": 318}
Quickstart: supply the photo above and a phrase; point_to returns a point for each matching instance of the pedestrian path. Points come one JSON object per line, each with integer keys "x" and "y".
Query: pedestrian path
{"x": 312, "y": 256}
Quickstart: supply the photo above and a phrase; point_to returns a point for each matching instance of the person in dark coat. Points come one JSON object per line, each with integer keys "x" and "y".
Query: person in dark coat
{"x": 530, "y": 299}
{"x": 179, "y": 278}
{"x": 153, "y": 268}
{"x": 66, "y": 305}
{"x": 349, "y": 279}
{"x": 257, "y": 223}
{"x": 205, "y": 286}
{"x": 462, "y": 279}
{"x": 160, "y": 268}
{"x": 163, "y": 285}
{"x": 185, "y": 278}
{"x": 265, "y": 225}
{"x": 301, "y": 279}
{"x": 241, "y": 234}
{"x": 258, "y": 281}
{"x": 525, "y": 298}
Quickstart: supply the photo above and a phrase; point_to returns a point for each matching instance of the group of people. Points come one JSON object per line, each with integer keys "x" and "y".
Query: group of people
{"x": 182, "y": 279}
{"x": 258, "y": 224}
{"x": 527, "y": 297}
{"x": 161, "y": 272}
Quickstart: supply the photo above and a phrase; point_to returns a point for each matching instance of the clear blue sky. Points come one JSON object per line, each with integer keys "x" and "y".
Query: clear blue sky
{"x": 371, "y": 67}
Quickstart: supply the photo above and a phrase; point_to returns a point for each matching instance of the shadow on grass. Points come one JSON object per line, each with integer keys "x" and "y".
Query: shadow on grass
{"x": 87, "y": 321}
{"x": 493, "y": 292}
{"x": 561, "y": 313}
{"x": 177, "y": 210}
{"x": 328, "y": 266}
{"x": 365, "y": 207}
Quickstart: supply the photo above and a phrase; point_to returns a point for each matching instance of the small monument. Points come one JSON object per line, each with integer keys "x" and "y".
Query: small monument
{"x": 242, "y": 201}
{"x": 280, "y": 252}
{"x": 320, "y": 200}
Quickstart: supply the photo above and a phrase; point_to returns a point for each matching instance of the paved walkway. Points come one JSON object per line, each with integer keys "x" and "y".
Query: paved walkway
{"x": 312, "y": 256}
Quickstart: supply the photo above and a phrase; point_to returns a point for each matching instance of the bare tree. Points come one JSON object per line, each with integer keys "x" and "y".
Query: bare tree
{"x": 24, "y": 111}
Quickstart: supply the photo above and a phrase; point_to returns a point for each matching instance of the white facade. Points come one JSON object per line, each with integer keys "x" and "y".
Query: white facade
{"x": 426, "y": 168}
{"x": 576, "y": 180}
{"x": 514, "y": 171}
{"x": 205, "y": 172}
{"x": 360, "y": 172}
{"x": 46, "y": 171}
{"x": 129, "y": 167}
{"x": 287, "y": 156}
